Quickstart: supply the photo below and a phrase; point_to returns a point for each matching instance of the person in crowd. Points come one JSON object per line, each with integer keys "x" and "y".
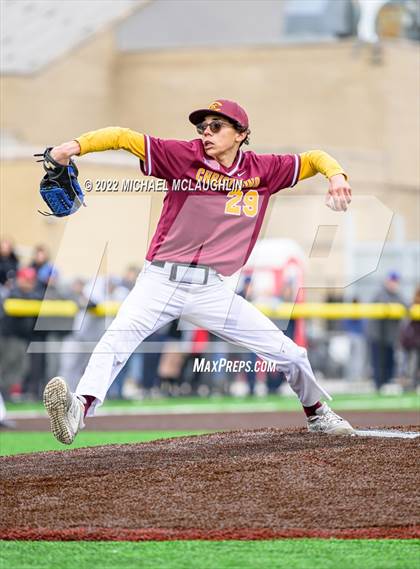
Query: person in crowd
{"x": 16, "y": 334}
{"x": 410, "y": 342}
{"x": 87, "y": 327}
{"x": 383, "y": 333}
{"x": 9, "y": 262}
{"x": 55, "y": 328}
{"x": 170, "y": 361}
{"x": 126, "y": 284}
{"x": 41, "y": 264}
{"x": 5, "y": 423}
{"x": 71, "y": 359}
{"x": 251, "y": 376}
{"x": 287, "y": 295}
{"x": 355, "y": 329}
{"x": 133, "y": 367}
{"x": 49, "y": 279}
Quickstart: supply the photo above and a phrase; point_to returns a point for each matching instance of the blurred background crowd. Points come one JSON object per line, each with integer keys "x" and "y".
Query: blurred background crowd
{"x": 380, "y": 354}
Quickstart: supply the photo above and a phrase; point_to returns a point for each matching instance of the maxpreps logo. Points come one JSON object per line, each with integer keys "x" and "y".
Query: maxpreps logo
{"x": 215, "y": 106}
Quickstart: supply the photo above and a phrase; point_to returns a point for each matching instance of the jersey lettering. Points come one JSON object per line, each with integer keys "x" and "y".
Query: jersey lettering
{"x": 249, "y": 205}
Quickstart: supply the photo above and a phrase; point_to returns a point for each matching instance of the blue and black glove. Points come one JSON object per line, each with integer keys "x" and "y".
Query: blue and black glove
{"x": 60, "y": 188}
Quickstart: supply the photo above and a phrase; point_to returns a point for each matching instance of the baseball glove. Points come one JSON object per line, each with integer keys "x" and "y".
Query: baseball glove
{"x": 60, "y": 187}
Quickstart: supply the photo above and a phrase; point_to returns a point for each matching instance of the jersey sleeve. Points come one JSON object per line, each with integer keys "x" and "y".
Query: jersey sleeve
{"x": 112, "y": 138}
{"x": 280, "y": 170}
{"x": 167, "y": 159}
{"x": 318, "y": 161}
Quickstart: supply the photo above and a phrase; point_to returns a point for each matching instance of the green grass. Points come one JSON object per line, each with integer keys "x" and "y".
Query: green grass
{"x": 23, "y": 442}
{"x": 279, "y": 554}
{"x": 404, "y": 402}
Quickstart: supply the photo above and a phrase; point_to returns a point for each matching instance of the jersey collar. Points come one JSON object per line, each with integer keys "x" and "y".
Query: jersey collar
{"x": 231, "y": 170}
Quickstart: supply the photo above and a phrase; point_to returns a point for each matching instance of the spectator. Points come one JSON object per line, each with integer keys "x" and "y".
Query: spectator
{"x": 251, "y": 376}
{"x": 126, "y": 284}
{"x": 5, "y": 423}
{"x": 410, "y": 342}
{"x": 383, "y": 333}
{"x": 54, "y": 328}
{"x": 9, "y": 262}
{"x": 87, "y": 328}
{"x": 48, "y": 277}
{"x": 169, "y": 361}
{"x": 42, "y": 265}
{"x": 16, "y": 334}
{"x": 288, "y": 295}
{"x": 72, "y": 361}
{"x": 356, "y": 361}
{"x": 134, "y": 364}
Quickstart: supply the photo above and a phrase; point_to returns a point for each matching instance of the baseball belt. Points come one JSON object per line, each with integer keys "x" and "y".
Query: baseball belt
{"x": 186, "y": 273}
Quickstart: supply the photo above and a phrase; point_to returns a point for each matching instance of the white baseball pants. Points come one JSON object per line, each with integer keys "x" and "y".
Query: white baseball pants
{"x": 156, "y": 300}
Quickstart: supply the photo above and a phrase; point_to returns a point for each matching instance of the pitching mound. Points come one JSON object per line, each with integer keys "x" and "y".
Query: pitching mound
{"x": 246, "y": 484}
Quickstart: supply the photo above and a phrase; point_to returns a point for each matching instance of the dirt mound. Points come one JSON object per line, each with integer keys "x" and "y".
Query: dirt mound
{"x": 245, "y": 481}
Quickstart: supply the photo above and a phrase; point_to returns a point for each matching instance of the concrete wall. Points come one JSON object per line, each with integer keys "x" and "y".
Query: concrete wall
{"x": 69, "y": 97}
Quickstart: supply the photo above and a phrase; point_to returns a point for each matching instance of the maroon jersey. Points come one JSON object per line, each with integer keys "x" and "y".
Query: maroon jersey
{"x": 212, "y": 215}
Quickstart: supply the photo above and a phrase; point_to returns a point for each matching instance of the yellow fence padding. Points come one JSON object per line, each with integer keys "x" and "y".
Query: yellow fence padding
{"x": 328, "y": 311}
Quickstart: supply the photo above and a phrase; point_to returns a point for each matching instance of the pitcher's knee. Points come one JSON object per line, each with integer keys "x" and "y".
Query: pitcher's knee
{"x": 294, "y": 353}
{"x": 115, "y": 342}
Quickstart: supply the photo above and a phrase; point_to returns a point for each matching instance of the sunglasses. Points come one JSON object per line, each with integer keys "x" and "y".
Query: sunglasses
{"x": 214, "y": 125}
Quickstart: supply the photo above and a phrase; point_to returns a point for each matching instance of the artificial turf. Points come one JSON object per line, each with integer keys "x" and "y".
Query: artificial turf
{"x": 267, "y": 554}
{"x": 356, "y": 402}
{"x": 24, "y": 442}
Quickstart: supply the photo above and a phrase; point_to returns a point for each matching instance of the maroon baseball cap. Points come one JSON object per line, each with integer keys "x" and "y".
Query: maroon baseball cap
{"x": 224, "y": 108}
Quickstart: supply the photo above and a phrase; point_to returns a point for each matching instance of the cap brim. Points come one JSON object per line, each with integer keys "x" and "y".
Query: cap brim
{"x": 196, "y": 117}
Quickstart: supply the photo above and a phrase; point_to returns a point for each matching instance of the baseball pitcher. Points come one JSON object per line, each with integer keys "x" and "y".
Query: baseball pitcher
{"x": 212, "y": 214}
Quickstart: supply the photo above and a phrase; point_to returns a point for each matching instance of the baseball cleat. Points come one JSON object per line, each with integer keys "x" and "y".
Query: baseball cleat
{"x": 65, "y": 410}
{"x": 326, "y": 421}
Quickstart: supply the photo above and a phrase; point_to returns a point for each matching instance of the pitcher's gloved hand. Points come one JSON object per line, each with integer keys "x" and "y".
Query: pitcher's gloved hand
{"x": 60, "y": 187}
